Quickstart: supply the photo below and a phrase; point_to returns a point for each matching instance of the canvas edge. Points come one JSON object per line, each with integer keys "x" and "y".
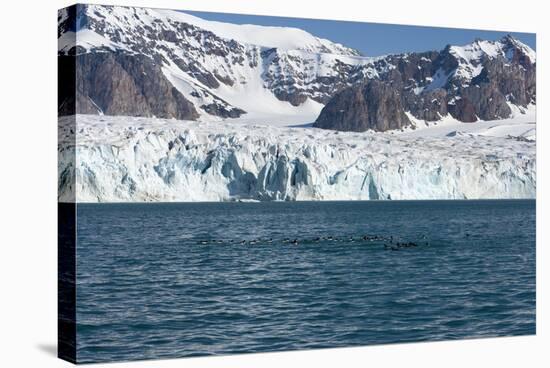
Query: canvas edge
{"x": 66, "y": 207}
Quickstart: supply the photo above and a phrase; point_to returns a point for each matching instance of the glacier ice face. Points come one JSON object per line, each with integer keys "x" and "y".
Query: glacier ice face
{"x": 121, "y": 159}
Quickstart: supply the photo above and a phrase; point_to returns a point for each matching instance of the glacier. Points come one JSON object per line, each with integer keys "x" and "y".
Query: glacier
{"x": 131, "y": 159}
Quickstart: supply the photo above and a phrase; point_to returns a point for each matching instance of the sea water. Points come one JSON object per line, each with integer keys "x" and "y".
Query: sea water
{"x": 163, "y": 280}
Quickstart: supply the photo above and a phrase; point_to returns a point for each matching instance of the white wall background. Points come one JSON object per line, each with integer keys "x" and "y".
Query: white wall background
{"x": 28, "y": 170}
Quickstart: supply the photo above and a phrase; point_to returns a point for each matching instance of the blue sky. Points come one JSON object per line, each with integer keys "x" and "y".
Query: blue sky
{"x": 373, "y": 39}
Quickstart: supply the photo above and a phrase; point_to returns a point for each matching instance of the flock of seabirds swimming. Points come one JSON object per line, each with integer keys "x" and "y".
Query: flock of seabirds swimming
{"x": 390, "y": 243}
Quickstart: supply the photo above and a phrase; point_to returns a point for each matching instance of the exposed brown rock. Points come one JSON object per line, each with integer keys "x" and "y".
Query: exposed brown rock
{"x": 375, "y": 105}
{"x": 122, "y": 84}
{"x": 463, "y": 110}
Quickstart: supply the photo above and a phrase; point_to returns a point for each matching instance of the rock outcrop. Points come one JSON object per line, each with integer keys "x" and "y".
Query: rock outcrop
{"x": 122, "y": 84}
{"x": 374, "y": 106}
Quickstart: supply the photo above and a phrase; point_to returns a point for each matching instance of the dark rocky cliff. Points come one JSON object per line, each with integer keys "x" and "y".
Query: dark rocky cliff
{"x": 122, "y": 84}
{"x": 375, "y": 105}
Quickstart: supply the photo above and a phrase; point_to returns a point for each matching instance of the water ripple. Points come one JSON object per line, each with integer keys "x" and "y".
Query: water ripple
{"x": 167, "y": 280}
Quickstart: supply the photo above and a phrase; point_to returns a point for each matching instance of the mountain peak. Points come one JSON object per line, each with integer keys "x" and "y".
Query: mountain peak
{"x": 512, "y": 43}
{"x": 212, "y": 70}
{"x": 479, "y": 48}
{"x": 144, "y": 21}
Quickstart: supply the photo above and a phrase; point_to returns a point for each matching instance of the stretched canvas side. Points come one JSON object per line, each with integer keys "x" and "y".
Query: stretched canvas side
{"x": 66, "y": 208}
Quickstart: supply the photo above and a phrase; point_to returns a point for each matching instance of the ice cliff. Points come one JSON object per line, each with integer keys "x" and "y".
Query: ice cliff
{"x": 121, "y": 159}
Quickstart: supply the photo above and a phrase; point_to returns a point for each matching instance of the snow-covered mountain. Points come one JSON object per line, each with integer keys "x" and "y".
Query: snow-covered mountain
{"x": 224, "y": 70}
{"x": 485, "y": 80}
{"x": 201, "y": 69}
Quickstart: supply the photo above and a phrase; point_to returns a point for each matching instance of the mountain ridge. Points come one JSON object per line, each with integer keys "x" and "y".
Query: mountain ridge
{"x": 214, "y": 77}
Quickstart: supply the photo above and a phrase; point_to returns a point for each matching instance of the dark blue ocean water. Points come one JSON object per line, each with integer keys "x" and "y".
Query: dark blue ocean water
{"x": 174, "y": 280}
